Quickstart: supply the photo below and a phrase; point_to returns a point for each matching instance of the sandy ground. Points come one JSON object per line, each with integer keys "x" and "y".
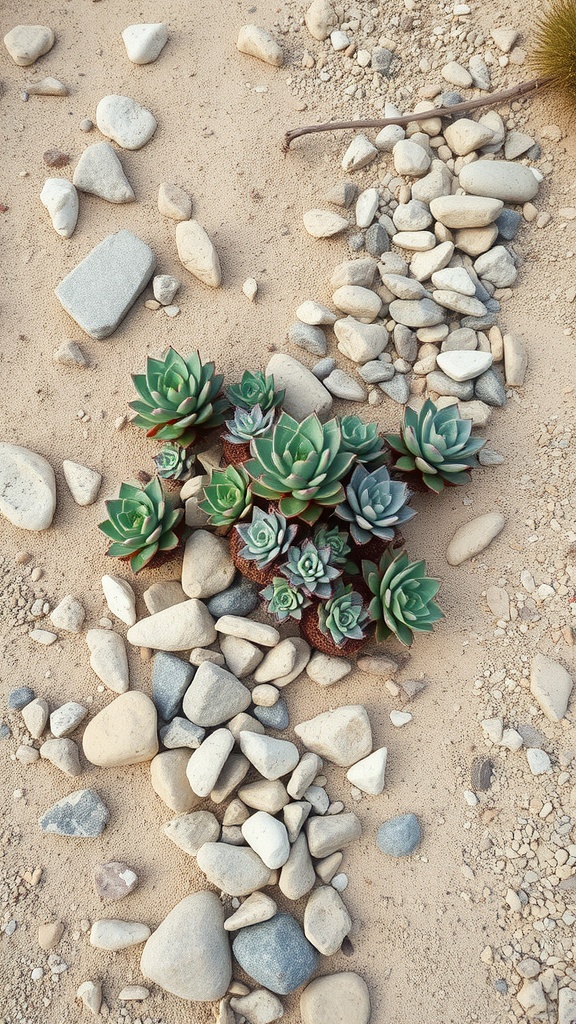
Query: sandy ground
{"x": 419, "y": 926}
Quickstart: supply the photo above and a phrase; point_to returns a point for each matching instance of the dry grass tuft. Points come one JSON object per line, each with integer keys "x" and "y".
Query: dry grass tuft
{"x": 553, "y": 53}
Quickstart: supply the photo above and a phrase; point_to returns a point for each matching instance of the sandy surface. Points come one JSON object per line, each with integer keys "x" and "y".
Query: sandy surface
{"x": 420, "y": 925}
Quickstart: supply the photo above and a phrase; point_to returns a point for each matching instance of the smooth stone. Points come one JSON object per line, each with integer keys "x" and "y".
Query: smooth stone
{"x": 46, "y": 87}
{"x": 214, "y": 696}
{"x": 206, "y": 763}
{"x": 113, "y": 934}
{"x": 144, "y": 43}
{"x": 538, "y": 761}
{"x": 312, "y": 339}
{"x": 424, "y": 264}
{"x": 90, "y": 992}
{"x": 366, "y": 207}
{"x": 237, "y": 870}
{"x": 123, "y": 733}
{"x": 63, "y": 754}
{"x": 108, "y": 659}
{"x": 410, "y": 159}
{"x": 43, "y": 636}
{"x": 499, "y": 179}
{"x": 242, "y": 657}
{"x": 304, "y": 394}
{"x": 177, "y": 628}
{"x": 244, "y": 723}
{"x": 100, "y": 173}
{"x": 466, "y": 305}
{"x": 324, "y": 223}
{"x": 464, "y": 136}
{"x": 279, "y": 661}
{"x": 360, "y": 153}
{"x": 248, "y": 629}
{"x": 336, "y": 999}
{"x": 171, "y": 678}
{"x": 69, "y": 354}
{"x": 81, "y": 814}
{"x": 326, "y": 670}
{"x": 464, "y": 365}
{"x": 342, "y": 194}
{"x": 268, "y": 838}
{"x": 327, "y": 835}
{"x": 455, "y": 279}
{"x": 343, "y": 735}
{"x": 297, "y": 876}
{"x": 169, "y": 780}
{"x": 276, "y": 954}
{"x": 314, "y": 313}
{"x": 303, "y": 652}
{"x": 258, "y": 907}
{"x": 197, "y": 253}
{"x": 326, "y": 920}
{"x": 174, "y": 202}
{"x": 164, "y": 288}
{"x": 412, "y": 216}
{"x": 361, "y": 303}
{"x": 295, "y": 814}
{"x": 417, "y": 241}
{"x": 189, "y": 953}
{"x": 342, "y": 385}
{"x": 475, "y": 241}
{"x": 398, "y": 389}
{"x": 421, "y": 313}
{"x": 120, "y": 598}
{"x": 123, "y": 120}
{"x": 27, "y": 488}
{"x": 277, "y": 717}
{"x": 461, "y": 340}
{"x": 259, "y": 1007}
{"x": 49, "y": 934}
{"x": 181, "y": 733}
{"x": 497, "y": 266}
{"x": 473, "y": 537}
{"x": 26, "y": 43}
{"x": 304, "y": 774}
{"x": 515, "y": 361}
{"x": 240, "y": 598}
{"x": 360, "y": 272}
{"x": 404, "y": 287}
{"x": 84, "y": 483}
{"x": 465, "y": 211}
{"x": 551, "y": 685}
{"x": 68, "y": 615}
{"x": 67, "y": 718}
{"x": 271, "y": 757}
{"x": 320, "y": 19}
{"x": 100, "y": 290}
{"x": 489, "y": 388}
{"x": 35, "y": 716}
{"x": 508, "y": 224}
{"x": 230, "y": 778}
{"x": 478, "y": 412}
{"x": 369, "y": 774}
{"x": 257, "y": 42}
{"x": 133, "y": 993}
{"x": 438, "y": 182}
{"x": 264, "y": 795}
{"x": 235, "y": 813}
{"x": 207, "y": 568}
{"x": 566, "y": 1005}
{"x": 190, "y": 831}
{"x": 457, "y": 75}
{"x": 388, "y": 137}
{"x": 60, "y": 198}
{"x": 399, "y": 836}
{"x": 443, "y": 385}
{"x": 358, "y": 341}
{"x": 374, "y": 372}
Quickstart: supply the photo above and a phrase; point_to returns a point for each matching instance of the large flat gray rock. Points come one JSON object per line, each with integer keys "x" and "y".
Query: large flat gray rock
{"x": 101, "y": 289}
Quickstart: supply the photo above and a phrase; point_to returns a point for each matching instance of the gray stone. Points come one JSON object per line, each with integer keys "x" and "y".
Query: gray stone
{"x": 98, "y": 293}
{"x": 462, "y": 340}
{"x": 342, "y": 194}
{"x": 214, "y": 696}
{"x": 490, "y": 389}
{"x": 326, "y": 920}
{"x": 377, "y": 240}
{"x": 100, "y": 173}
{"x": 508, "y": 224}
{"x": 551, "y": 685}
{"x": 276, "y": 954}
{"x": 375, "y": 371}
{"x": 336, "y": 998}
{"x": 498, "y": 179}
{"x": 422, "y": 313}
{"x": 399, "y": 836}
{"x": 404, "y": 287}
{"x": 496, "y": 266}
{"x": 312, "y": 339}
{"x": 342, "y": 385}
{"x": 20, "y": 697}
{"x": 81, "y": 815}
{"x": 189, "y": 954}
{"x": 304, "y": 394}
{"x": 171, "y": 677}
{"x": 276, "y": 717}
{"x": 164, "y": 287}
{"x": 181, "y": 733}
{"x": 443, "y": 385}
{"x": 398, "y": 389}
{"x": 27, "y": 488}
{"x": 190, "y": 831}
{"x": 323, "y": 368}
{"x": 123, "y": 120}
{"x": 473, "y": 537}
{"x": 240, "y": 598}
{"x": 438, "y": 182}
{"x": 405, "y": 343}
{"x": 236, "y": 870}
{"x": 63, "y": 754}
{"x": 333, "y": 832}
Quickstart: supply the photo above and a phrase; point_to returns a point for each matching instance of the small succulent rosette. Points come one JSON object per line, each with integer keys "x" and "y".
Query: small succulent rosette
{"x": 310, "y": 569}
{"x": 283, "y": 600}
{"x": 247, "y": 423}
{"x": 403, "y": 601}
{"x": 142, "y": 524}
{"x": 255, "y": 388}
{"x": 435, "y": 445}
{"x": 173, "y": 463}
{"x": 228, "y": 497}
{"x": 362, "y": 440}
{"x": 257, "y": 546}
{"x": 338, "y": 627}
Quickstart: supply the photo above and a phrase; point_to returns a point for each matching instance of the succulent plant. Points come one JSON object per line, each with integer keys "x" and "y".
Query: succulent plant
{"x": 310, "y": 568}
{"x": 227, "y": 497}
{"x": 335, "y": 539}
{"x": 362, "y": 439}
{"x": 436, "y": 443}
{"x": 344, "y": 616}
{"x": 266, "y": 538}
{"x": 248, "y": 423}
{"x": 178, "y": 397}
{"x": 140, "y": 523}
{"x": 173, "y": 462}
{"x": 283, "y": 600}
{"x": 300, "y": 465}
{"x": 375, "y": 505}
{"x": 403, "y": 597}
{"x": 255, "y": 388}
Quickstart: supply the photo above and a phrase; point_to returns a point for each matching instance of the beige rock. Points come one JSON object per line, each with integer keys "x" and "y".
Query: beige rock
{"x": 258, "y": 907}
{"x": 207, "y": 568}
{"x": 191, "y": 831}
{"x": 342, "y": 735}
{"x": 49, "y": 934}
{"x": 197, "y": 253}
{"x": 169, "y": 780}
{"x": 324, "y": 223}
{"x": 473, "y": 537}
{"x": 177, "y": 628}
{"x": 26, "y": 43}
{"x": 257, "y": 42}
{"x": 122, "y": 733}
{"x": 334, "y": 998}
{"x": 163, "y": 595}
{"x": 174, "y": 202}
{"x": 108, "y": 659}
{"x": 551, "y": 685}
{"x": 320, "y": 19}
{"x": 304, "y": 394}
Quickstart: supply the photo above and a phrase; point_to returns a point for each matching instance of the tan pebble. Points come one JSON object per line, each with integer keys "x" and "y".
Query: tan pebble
{"x": 22, "y": 558}
{"x": 49, "y": 934}
{"x": 152, "y": 304}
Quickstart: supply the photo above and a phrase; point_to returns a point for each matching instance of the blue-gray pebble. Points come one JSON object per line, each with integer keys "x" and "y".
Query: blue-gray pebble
{"x": 508, "y": 223}
{"x": 20, "y": 697}
{"x": 489, "y": 388}
{"x": 399, "y": 836}
{"x": 81, "y": 815}
{"x": 171, "y": 677}
{"x": 4, "y": 731}
{"x": 276, "y": 717}
{"x": 276, "y": 954}
{"x": 239, "y": 599}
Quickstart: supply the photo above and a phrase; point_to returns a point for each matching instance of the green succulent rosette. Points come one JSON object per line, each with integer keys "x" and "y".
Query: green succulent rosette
{"x": 283, "y": 600}
{"x": 375, "y": 505}
{"x": 266, "y": 538}
{"x": 228, "y": 497}
{"x": 403, "y": 597}
{"x": 343, "y": 616}
{"x": 248, "y": 423}
{"x": 335, "y": 539}
{"x": 255, "y": 388}
{"x": 140, "y": 523}
{"x": 173, "y": 462}
{"x": 362, "y": 440}
{"x": 300, "y": 465}
{"x": 437, "y": 444}
{"x": 309, "y": 568}
{"x": 178, "y": 397}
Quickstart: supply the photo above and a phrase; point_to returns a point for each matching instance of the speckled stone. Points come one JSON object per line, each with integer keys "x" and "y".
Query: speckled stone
{"x": 240, "y": 598}
{"x": 399, "y": 836}
{"x": 20, "y": 697}
{"x": 82, "y": 814}
{"x": 276, "y": 954}
{"x": 276, "y": 717}
{"x": 171, "y": 677}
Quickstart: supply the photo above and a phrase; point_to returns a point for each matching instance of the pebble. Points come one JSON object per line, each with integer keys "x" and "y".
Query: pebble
{"x": 120, "y": 598}
{"x": 237, "y": 870}
{"x": 399, "y": 836}
{"x": 343, "y": 996}
{"x": 42, "y": 636}
{"x": 47, "y": 87}
{"x": 342, "y": 194}
{"x": 361, "y": 303}
{"x": 100, "y": 173}
{"x": 69, "y": 353}
{"x": 27, "y": 488}
{"x": 123, "y": 732}
{"x": 35, "y": 715}
{"x": 422, "y": 313}
{"x": 464, "y": 136}
{"x": 464, "y": 365}
{"x": 258, "y": 907}
{"x": 339, "y": 40}
{"x": 311, "y": 339}
{"x": 164, "y": 287}
{"x": 412, "y": 216}
{"x": 264, "y": 795}
{"x": 276, "y": 717}
{"x": 504, "y": 38}
{"x": 189, "y": 954}
{"x": 171, "y": 678}
{"x": 26, "y": 43}
{"x": 250, "y": 288}
{"x": 438, "y": 182}
{"x": 214, "y": 696}
{"x": 133, "y": 993}
{"x": 268, "y": 838}
{"x": 84, "y": 483}
{"x": 416, "y": 241}
{"x": 479, "y": 72}
{"x": 24, "y": 754}
{"x": 515, "y": 360}
{"x": 49, "y": 934}
{"x": 197, "y": 253}
{"x": 174, "y": 202}
{"x": 465, "y": 211}
{"x": 327, "y": 835}
{"x": 304, "y": 394}
{"x": 380, "y": 665}
{"x": 498, "y": 602}
{"x": 551, "y": 685}
{"x": 538, "y": 760}
{"x": 176, "y": 628}
{"x": 457, "y": 75}
{"x": 314, "y": 313}
{"x": 242, "y": 657}
{"x": 360, "y": 153}
{"x": 400, "y": 718}
{"x": 297, "y": 876}
{"x": 19, "y": 697}
{"x": 360, "y": 342}
{"x": 276, "y": 954}
{"x": 398, "y": 389}
{"x": 63, "y": 754}
{"x": 257, "y": 42}
{"x": 410, "y": 159}
{"x": 113, "y": 934}
{"x": 359, "y": 272}
{"x": 320, "y": 19}
{"x": 248, "y": 629}
{"x": 207, "y": 567}
{"x": 369, "y": 773}
{"x": 488, "y": 387}
{"x": 532, "y": 999}
{"x": 499, "y": 179}
{"x": 271, "y": 757}
{"x": 424, "y": 264}
{"x": 114, "y": 880}
{"x": 108, "y": 659}
{"x": 324, "y": 223}
{"x": 206, "y": 763}
{"x": 327, "y": 867}
{"x": 303, "y": 775}
{"x": 496, "y": 266}
{"x": 90, "y": 993}
{"x": 68, "y": 615}
{"x": 240, "y": 598}
{"x": 125, "y": 121}
{"x": 181, "y": 733}
{"x": 82, "y": 815}
{"x": 144, "y": 43}
{"x": 244, "y": 723}
{"x": 343, "y": 735}
{"x": 342, "y": 385}
{"x": 473, "y": 537}
{"x": 60, "y": 198}
{"x": 326, "y": 920}
{"x": 190, "y": 831}
{"x": 323, "y": 368}
{"x": 259, "y": 1007}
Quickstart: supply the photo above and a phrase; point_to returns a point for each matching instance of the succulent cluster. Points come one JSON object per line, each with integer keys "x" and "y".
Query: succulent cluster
{"x": 403, "y": 597}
